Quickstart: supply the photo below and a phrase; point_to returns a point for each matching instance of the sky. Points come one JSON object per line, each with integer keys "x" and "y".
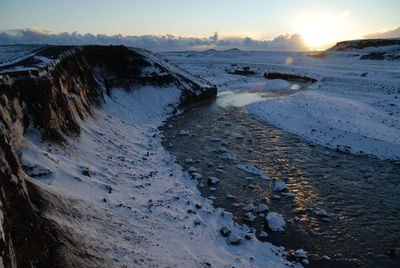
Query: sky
{"x": 320, "y": 23}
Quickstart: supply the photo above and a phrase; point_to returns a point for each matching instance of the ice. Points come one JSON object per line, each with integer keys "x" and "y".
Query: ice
{"x": 212, "y": 189}
{"x": 249, "y": 217}
{"x": 228, "y": 156}
{"x": 263, "y": 234}
{"x": 221, "y": 150}
{"x": 300, "y": 253}
{"x": 191, "y": 169}
{"x": 188, "y": 161}
{"x": 321, "y": 213}
{"x": 275, "y": 221}
{"x": 250, "y": 168}
{"x": 213, "y": 180}
{"x": 279, "y": 186}
{"x": 249, "y": 207}
{"x": 183, "y": 132}
{"x": 262, "y": 208}
{"x": 229, "y": 196}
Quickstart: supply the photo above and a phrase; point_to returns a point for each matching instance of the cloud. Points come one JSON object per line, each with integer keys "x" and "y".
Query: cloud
{"x": 165, "y": 42}
{"x": 393, "y": 33}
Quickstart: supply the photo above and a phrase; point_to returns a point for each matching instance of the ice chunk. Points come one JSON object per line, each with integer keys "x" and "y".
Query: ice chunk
{"x": 234, "y": 239}
{"x": 262, "y": 208}
{"x": 250, "y": 168}
{"x": 249, "y": 217}
{"x": 192, "y": 169}
{"x": 229, "y": 196}
{"x": 213, "y": 180}
{"x": 275, "y": 221}
{"x": 263, "y": 234}
{"x": 249, "y": 207}
{"x": 221, "y": 149}
{"x": 279, "y": 186}
{"x": 183, "y": 133}
{"x": 300, "y": 253}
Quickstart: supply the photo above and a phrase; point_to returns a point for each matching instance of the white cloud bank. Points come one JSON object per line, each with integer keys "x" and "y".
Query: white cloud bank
{"x": 393, "y": 33}
{"x": 165, "y": 42}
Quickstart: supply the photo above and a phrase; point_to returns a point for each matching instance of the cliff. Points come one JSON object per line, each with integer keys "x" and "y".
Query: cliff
{"x": 54, "y": 98}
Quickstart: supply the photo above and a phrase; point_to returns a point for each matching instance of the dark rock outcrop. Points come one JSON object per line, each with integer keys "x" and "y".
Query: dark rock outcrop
{"x": 53, "y": 99}
{"x": 290, "y": 77}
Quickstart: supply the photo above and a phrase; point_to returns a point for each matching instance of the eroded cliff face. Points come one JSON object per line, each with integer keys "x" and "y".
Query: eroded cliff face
{"x": 54, "y": 99}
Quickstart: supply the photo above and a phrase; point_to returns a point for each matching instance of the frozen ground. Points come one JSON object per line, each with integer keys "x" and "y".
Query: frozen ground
{"x": 132, "y": 204}
{"x": 354, "y": 106}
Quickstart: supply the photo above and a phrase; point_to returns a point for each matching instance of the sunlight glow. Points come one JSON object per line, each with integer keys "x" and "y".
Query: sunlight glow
{"x": 321, "y": 29}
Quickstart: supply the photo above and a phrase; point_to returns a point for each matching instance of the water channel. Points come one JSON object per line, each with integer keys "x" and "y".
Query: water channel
{"x": 360, "y": 195}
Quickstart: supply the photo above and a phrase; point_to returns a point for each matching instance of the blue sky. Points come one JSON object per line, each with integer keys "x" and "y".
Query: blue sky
{"x": 328, "y": 20}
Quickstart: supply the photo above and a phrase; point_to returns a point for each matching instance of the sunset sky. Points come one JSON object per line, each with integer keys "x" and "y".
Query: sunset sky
{"x": 319, "y": 22}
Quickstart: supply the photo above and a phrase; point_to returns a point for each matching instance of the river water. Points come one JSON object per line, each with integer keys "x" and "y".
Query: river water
{"x": 360, "y": 195}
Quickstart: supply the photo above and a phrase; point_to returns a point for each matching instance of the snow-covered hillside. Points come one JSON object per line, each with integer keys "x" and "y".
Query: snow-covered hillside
{"x": 354, "y": 106}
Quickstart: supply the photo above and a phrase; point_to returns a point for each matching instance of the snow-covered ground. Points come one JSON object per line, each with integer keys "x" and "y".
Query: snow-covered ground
{"x": 354, "y": 106}
{"x": 132, "y": 204}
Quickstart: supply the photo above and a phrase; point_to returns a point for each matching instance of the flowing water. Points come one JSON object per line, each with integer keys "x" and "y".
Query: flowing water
{"x": 360, "y": 194}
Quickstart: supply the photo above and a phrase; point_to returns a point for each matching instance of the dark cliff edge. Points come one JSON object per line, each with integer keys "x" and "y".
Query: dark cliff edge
{"x": 54, "y": 99}
{"x": 380, "y": 49}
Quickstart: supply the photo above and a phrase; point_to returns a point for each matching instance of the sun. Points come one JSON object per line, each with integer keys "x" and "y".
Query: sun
{"x": 315, "y": 35}
{"x": 321, "y": 28}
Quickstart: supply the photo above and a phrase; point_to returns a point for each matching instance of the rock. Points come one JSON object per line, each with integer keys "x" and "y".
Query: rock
{"x": 248, "y": 236}
{"x": 249, "y": 217}
{"x": 212, "y": 189}
{"x": 209, "y": 164}
{"x": 198, "y": 206}
{"x": 225, "y": 231}
{"x": 222, "y": 150}
{"x": 215, "y": 139}
{"x": 239, "y": 137}
{"x": 201, "y": 185}
{"x": 261, "y": 215}
{"x": 275, "y": 222}
{"x": 212, "y": 180}
{"x": 300, "y": 253}
{"x": 325, "y": 257}
{"x": 211, "y": 197}
{"x": 251, "y": 186}
{"x": 229, "y": 196}
{"x": 188, "y": 161}
{"x": 263, "y": 234}
{"x": 305, "y": 261}
{"x": 279, "y": 186}
{"x": 234, "y": 239}
{"x": 236, "y": 205}
{"x": 262, "y": 208}
{"x": 183, "y": 133}
{"x": 249, "y": 207}
{"x": 220, "y": 167}
{"x": 219, "y": 170}
{"x": 191, "y": 169}
{"x": 296, "y": 218}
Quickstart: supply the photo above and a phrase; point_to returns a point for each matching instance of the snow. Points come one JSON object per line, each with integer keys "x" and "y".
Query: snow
{"x": 275, "y": 222}
{"x": 145, "y": 215}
